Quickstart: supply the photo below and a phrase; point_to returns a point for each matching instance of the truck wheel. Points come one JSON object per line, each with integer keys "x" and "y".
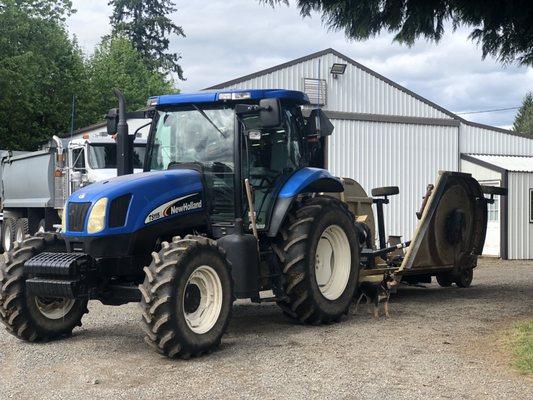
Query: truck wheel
{"x": 187, "y": 297}
{"x": 21, "y": 229}
{"x": 8, "y": 233}
{"x": 41, "y": 226}
{"x": 320, "y": 255}
{"x": 463, "y": 278}
{"x": 445, "y": 279}
{"x": 28, "y": 317}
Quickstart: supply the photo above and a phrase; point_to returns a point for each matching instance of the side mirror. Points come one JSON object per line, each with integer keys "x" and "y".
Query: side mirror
{"x": 270, "y": 113}
{"x": 318, "y": 124}
{"x": 112, "y": 121}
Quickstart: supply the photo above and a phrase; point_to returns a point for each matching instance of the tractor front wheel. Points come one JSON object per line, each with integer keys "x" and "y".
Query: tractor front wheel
{"x": 187, "y": 296}
{"x": 26, "y": 316}
{"x": 319, "y": 252}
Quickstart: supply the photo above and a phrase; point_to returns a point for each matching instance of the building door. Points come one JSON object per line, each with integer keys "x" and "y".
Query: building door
{"x": 493, "y": 240}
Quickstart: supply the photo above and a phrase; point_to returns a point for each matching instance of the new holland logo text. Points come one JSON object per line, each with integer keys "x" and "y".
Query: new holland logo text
{"x": 177, "y": 206}
{"x": 193, "y": 205}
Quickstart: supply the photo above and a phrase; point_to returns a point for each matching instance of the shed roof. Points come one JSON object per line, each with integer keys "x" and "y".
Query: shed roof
{"x": 351, "y": 61}
{"x": 509, "y": 163}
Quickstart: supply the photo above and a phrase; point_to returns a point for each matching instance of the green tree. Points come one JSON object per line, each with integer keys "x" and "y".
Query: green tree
{"x": 147, "y": 24}
{"x": 41, "y": 68}
{"x": 504, "y": 28}
{"x": 50, "y": 10}
{"x": 116, "y": 64}
{"x": 523, "y": 121}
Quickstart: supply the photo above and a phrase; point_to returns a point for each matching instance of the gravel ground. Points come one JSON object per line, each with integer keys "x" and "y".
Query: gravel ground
{"x": 438, "y": 343}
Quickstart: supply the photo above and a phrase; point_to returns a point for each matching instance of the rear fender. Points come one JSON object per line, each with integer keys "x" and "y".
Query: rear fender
{"x": 306, "y": 180}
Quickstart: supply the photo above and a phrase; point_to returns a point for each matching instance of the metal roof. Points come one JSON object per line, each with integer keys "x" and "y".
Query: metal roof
{"x": 340, "y": 55}
{"x": 509, "y": 163}
{"x": 371, "y": 72}
{"x": 212, "y": 97}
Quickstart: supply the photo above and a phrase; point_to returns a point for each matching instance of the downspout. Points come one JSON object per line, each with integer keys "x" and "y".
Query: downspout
{"x": 459, "y": 128}
{"x": 504, "y": 220}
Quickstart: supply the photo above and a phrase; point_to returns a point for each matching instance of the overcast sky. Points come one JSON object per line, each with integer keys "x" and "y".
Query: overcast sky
{"x": 230, "y": 38}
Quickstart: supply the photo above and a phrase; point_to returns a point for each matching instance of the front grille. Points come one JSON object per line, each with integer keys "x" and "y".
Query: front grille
{"x": 118, "y": 211}
{"x": 77, "y": 212}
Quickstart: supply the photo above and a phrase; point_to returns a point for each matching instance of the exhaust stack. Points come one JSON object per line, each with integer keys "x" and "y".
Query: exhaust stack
{"x": 124, "y": 141}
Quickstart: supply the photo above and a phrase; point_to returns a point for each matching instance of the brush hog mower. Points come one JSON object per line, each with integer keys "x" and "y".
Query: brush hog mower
{"x": 232, "y": 205}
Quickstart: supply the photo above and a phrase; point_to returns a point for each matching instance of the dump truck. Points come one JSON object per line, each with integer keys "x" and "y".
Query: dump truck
{"x": 230, "y": 206}
{"x": 34, "y": 186}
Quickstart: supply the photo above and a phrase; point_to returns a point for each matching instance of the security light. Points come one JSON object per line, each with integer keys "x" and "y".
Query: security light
{"x": 337, "y": 69}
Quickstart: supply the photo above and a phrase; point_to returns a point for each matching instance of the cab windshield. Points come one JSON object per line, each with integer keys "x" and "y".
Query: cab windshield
{"x": 104, "y": 155}
{"x": 193, "y": 135}
{"x": 203, "y": 136}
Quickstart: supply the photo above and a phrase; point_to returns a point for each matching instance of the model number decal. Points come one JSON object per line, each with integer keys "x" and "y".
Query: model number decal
{"x": 177, "y": 206}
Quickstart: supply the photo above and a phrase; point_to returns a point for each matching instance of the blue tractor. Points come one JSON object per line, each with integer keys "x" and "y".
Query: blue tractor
{"x": 232, "y": 204}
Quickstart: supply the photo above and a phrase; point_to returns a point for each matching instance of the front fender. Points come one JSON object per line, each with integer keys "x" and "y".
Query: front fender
{"x": 306, "y": 180}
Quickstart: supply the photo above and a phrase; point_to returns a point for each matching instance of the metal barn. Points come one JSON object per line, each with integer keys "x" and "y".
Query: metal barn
{"x": 387, "y": 135}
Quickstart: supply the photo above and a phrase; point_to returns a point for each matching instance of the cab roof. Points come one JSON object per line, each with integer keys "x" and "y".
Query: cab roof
{"x": 237, "y": 95}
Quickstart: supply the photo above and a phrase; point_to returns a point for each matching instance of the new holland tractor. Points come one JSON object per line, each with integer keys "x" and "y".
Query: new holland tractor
{"x": 231, "y": 206}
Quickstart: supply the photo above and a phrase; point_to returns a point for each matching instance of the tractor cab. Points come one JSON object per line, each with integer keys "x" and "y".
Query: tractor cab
{"x": 257, "y": 135}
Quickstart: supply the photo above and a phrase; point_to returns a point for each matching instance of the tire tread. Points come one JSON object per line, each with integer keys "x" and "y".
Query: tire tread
{"x": 157, "y": 296}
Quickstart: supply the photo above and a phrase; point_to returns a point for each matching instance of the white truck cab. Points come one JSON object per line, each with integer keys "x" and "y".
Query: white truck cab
{"x": 94, "y": 158}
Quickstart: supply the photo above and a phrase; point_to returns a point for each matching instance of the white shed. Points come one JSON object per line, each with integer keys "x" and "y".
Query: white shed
{"x": 386, "y": 134}
{"x": 510, "y": 223}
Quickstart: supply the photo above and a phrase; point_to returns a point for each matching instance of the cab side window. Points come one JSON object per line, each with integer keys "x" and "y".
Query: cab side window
{"x": 78, "y": 159}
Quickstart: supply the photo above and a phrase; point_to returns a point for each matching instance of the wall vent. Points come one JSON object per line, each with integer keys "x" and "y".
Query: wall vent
{"x": 316, "y": 89}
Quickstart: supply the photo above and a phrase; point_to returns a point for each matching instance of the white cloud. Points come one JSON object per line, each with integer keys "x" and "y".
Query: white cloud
{"x": 231, "y": 38}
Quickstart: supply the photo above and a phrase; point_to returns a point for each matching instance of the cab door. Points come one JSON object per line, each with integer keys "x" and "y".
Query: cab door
{"x": 271, "y": 157}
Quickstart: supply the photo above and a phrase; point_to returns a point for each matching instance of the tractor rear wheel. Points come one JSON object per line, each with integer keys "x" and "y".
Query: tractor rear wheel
{"x": 187, "y": 296}
{"x": 319, "y": 252}
{"x": 26, "y": 316}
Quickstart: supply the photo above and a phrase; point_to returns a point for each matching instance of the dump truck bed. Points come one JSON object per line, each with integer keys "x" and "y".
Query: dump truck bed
{"x": 28, "y": 180}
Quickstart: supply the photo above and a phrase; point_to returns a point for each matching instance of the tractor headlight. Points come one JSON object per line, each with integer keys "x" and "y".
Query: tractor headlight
{"x": 96, "y": 221}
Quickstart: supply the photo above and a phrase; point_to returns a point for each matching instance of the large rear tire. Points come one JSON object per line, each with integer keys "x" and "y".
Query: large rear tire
{"x": 319, "y": 251}
{"x": 30, "y": 317}
{"x": 187, "y": 297}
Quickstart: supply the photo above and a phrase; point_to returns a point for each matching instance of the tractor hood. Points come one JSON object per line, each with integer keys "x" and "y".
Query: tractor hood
{"x": 135, "y": 201}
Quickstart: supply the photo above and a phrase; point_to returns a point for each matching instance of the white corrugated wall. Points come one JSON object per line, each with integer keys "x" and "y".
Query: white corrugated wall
{"x": 520, "y": 229}
{"x": 385, "y": 154}
{"x": 355, "y": 91}
{"x": 476, "y": 140}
